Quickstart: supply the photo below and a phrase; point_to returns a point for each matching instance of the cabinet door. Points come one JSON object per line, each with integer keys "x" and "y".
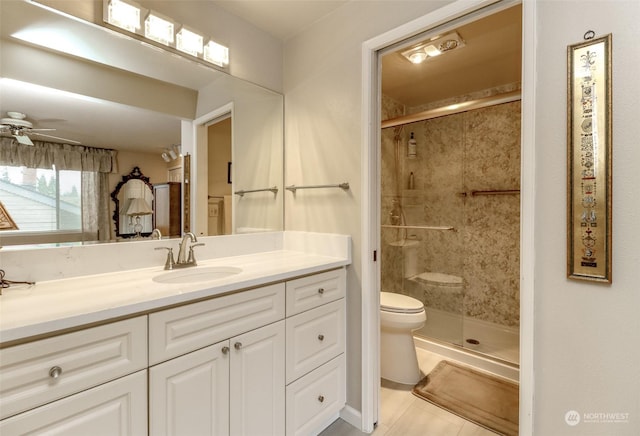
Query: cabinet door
{"x": 115, "y": 408}
{"x": 189, "y": 395}
{"x": 257, "y": 382}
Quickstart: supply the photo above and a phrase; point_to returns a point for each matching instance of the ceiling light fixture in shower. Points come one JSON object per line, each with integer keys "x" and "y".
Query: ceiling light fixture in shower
{"x": 434, "y": 47}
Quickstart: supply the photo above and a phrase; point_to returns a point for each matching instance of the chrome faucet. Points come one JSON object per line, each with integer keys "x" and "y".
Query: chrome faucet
{"x": 155, "y": 234}
{"x": 182, "y": 253}
{"x": 183, "y": 260}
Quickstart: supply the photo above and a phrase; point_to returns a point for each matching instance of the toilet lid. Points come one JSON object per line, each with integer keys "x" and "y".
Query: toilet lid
{"x": 392, "y": 302}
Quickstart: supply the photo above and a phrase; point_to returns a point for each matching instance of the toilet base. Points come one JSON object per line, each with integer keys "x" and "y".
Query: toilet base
{"x": 398, "y": 358}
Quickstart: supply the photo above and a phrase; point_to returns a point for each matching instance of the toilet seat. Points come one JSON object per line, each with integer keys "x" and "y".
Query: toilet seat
{"x": 398, "y": 303}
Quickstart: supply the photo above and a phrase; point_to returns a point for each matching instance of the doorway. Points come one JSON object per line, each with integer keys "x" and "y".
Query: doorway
{"x": 450, "y": 181}
{"x": 219, "y": 211}
{"x": 446, "y": 18}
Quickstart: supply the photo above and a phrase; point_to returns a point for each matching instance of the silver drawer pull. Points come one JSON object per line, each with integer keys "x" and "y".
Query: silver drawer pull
{"x": 237, "y": 345}
{"x": 225, "y": 350}
{"x": 321, "y": 398}
{"x": 321, "y": 337}
{"x": 321, "y": 291}
{"x": 55, "y": 372}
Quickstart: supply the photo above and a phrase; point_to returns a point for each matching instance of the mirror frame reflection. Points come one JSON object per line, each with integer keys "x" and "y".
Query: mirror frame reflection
{"x": 146, "y": 227}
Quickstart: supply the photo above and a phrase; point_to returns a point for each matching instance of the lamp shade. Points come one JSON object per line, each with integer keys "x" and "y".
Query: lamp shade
{"x": 138, "y": 206}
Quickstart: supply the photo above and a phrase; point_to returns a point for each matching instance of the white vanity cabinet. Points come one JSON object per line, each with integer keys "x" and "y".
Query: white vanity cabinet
{"x": 316, "y": 386}
{"x": 235, "y": 386}
{"x": 77, "y": 382}
{"x": 262, "y": 361}
{"x": 266, "y": 361}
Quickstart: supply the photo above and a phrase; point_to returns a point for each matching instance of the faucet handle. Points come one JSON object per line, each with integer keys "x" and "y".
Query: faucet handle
{"x": 170, "y": 262}
{"x": 192, "y": 258}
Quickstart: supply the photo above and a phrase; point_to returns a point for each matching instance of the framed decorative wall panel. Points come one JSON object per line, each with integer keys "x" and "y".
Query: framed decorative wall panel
{"x": 589, "y": 171}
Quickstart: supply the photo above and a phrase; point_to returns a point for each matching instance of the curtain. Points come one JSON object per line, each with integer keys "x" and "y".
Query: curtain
{"x": 95, "y": 164}
{"x": 96, "y": 222}
{"x": 64, "y": 156}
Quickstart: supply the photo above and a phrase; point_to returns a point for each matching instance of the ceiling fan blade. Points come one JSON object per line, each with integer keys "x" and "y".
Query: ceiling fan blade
{"x": 23, "y": 139}
{"x": 71, "y": 141}
{"x": 41, "y": 130}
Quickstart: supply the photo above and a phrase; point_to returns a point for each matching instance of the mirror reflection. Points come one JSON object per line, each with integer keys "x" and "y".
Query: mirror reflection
{"x": 148, "y": 118}
{"x": 133, "y": 198}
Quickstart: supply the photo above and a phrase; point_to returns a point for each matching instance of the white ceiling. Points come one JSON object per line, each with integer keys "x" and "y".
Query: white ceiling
{"x": 280, "y": 18}
{"x": 491, "y": 57}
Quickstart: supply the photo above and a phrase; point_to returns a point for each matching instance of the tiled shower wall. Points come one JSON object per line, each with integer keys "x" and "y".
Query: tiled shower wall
{"x": 471, "y": 151}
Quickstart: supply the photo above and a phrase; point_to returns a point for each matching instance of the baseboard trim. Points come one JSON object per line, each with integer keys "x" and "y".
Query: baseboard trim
{"x": 352, "y": 416}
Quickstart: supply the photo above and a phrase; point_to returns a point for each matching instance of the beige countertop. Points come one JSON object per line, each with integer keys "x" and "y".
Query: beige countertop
{"x": 49, "y": 306}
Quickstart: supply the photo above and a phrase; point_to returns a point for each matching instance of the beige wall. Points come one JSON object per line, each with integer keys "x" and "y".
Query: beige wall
{"x": 586, "y": 334}
{"x": 586, "y": 353}
{"x": 323, "y": 93}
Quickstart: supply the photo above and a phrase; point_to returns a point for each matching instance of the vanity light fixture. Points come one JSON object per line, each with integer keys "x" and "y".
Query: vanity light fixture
{"x": 216, "y": 54}
{"x": 124, "y": 14}
{"x": 145, "y": 25}
{"x": 189, "y": 42}
{"x": 434, "y": 47}
{"x": 159, "y": 29}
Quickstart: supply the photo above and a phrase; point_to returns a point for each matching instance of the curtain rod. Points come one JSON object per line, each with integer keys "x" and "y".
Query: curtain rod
{"x": 453, "y": 109}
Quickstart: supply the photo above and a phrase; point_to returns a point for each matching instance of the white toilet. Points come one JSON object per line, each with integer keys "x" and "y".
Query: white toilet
{"x": 400, "y": 315}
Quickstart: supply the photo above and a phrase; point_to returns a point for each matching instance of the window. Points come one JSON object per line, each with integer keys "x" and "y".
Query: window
{"x": 42, "y": 200}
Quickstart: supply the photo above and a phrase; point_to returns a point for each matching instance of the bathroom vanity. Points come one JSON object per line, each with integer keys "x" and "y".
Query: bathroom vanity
{"x": 258, "y": 351}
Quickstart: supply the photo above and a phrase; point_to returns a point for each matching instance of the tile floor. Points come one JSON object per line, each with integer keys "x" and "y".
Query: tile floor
{"x": 404, "y": 414}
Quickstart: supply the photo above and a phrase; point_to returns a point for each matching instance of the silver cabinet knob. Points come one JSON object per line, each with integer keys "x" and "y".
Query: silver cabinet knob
{"x": 225, "y": 350}
{"x": 321, "y": 291}
{"x": 321, "y": 398}
{"x": 321, "y": 337}
{"x": 237, "y": 345}
{"x": 55, "y": 372}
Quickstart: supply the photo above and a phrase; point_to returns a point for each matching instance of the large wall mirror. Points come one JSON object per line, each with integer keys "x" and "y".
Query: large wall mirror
{"x": 89, "y": 86}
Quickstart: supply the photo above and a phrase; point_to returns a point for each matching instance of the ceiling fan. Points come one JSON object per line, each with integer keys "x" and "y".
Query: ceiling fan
{"x": 21, "y": 129}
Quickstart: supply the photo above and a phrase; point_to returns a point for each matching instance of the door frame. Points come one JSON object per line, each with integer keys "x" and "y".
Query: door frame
{"x": 370, "y": 209}
{"x": 200, "y": 170}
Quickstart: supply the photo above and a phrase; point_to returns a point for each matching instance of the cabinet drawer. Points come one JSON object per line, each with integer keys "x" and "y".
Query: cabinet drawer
{"x": 28, "y": 374}
{"x": 308, "y": 292}
{"x": 117, "y": 408}
{"x": 178, "y": 331}
{"x": 315, "y": 398}
{"x": 314, "y": 337}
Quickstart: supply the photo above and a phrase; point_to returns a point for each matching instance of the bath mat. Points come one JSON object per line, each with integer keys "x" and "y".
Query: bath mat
{"x": 488, "y": 401}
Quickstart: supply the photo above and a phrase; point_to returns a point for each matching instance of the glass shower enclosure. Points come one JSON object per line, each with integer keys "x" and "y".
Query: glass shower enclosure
{"x": 450, "y": 215}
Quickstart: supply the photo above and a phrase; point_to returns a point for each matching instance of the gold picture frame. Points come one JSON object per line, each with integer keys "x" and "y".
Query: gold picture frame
{"x": 589, "y": 160}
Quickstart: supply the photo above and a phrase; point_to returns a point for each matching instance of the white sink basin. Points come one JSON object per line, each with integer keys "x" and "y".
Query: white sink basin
{"x": 197, "y": 274}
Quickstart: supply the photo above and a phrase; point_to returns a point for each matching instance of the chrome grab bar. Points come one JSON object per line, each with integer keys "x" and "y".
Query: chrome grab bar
{"x": 241, "y": 193}
{"x": 293, "y": 188}
{"x": 389, "y": 226}
{"x": 496, "y": 192}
